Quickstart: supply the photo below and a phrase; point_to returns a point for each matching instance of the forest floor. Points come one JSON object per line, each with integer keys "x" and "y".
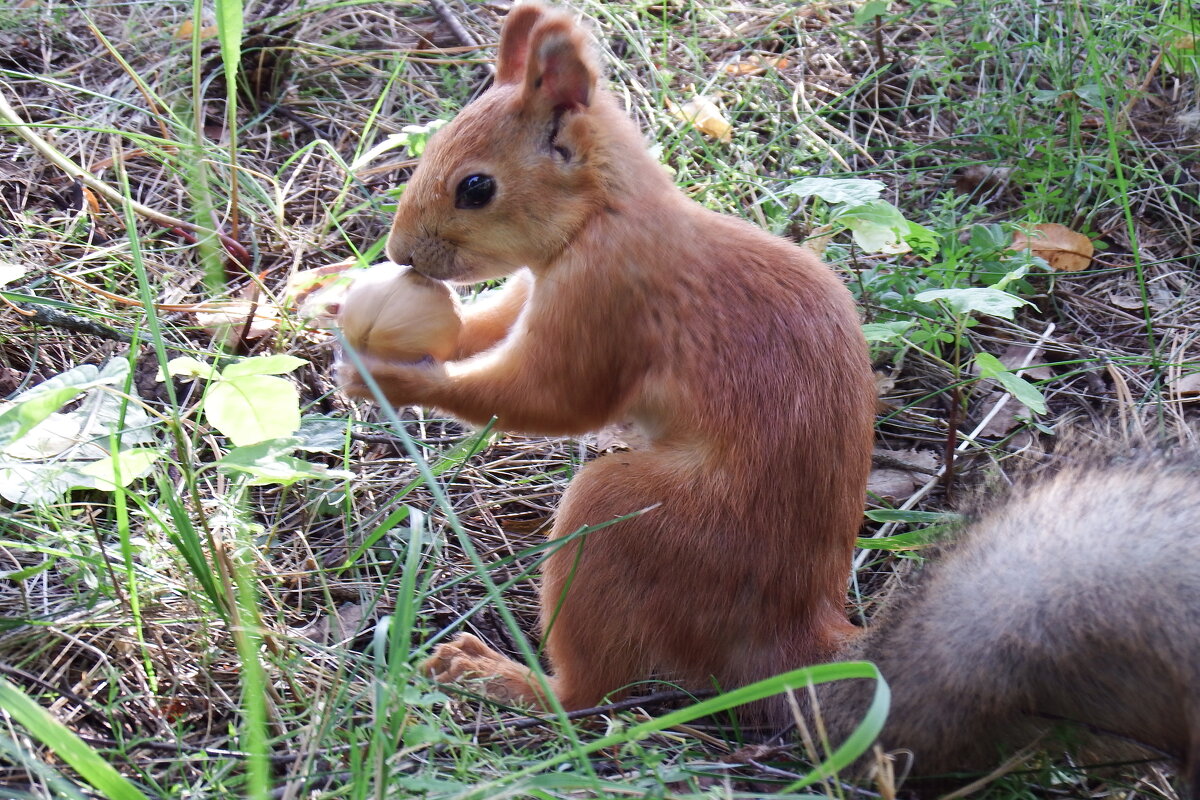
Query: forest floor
{"x": 208, "y": 620}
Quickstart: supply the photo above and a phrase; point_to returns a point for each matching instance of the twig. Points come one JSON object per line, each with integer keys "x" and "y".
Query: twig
{"x": 68, "y": 322}
{"x": 446, "y": 14}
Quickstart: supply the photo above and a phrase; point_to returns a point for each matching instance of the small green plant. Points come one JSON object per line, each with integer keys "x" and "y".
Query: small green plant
{"x": 875, "y": 225}
{"x": 926, "y": 304}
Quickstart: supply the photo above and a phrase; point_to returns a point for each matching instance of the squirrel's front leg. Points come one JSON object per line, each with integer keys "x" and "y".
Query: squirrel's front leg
{"x": 549, "y": 396}
{"x": 487, "y": 321}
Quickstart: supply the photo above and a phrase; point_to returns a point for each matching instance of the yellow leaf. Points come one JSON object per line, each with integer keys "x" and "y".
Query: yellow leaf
{"x": 756, "y": 64}
{"x": 184, "y": 31}
{"x": 704, "y": 114}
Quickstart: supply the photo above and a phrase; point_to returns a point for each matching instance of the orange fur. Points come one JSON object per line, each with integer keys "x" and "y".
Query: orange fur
{"x": 736, "y": 353}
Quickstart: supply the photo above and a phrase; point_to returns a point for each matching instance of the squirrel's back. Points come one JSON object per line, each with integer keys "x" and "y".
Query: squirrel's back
{"x": 1072, "y": 608}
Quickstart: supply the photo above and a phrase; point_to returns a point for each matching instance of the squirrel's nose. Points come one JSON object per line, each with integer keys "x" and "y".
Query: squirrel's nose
{"x": 398, "y": 251}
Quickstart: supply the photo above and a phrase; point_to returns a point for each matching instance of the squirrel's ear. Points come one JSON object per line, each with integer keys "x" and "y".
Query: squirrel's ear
{"x": 560, "y": 72}
{"x": 514, "y": 42}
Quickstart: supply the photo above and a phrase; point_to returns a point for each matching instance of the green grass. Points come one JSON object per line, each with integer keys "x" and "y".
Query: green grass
{"x": 197, "y": 635}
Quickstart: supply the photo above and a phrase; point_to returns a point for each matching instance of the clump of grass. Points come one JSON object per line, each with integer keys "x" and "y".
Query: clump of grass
{"x": 211, "y": 637}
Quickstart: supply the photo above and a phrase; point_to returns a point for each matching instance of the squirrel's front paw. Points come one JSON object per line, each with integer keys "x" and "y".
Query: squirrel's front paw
{"x": 467, "y": 660}
{"x": 402, "y": 383}
{"x": 350, "y": 380}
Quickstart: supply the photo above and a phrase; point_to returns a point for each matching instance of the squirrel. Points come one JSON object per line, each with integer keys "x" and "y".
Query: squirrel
{"x": 737, "y": 355}
{"x": 1072, "y": 608}
{"x": 740, "y": 358}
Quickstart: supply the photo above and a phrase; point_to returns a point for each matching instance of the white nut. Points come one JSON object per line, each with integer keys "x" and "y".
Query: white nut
{"x": 395, "y": 313}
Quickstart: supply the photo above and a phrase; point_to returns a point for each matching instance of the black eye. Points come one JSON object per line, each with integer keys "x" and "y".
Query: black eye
{"x": 474, "y": 191}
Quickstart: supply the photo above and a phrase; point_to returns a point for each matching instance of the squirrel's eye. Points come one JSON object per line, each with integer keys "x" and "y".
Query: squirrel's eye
{"x": 474, "y": 191}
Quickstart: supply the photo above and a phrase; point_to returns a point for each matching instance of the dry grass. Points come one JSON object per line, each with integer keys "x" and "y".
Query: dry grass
{"x": 919, "y": 102}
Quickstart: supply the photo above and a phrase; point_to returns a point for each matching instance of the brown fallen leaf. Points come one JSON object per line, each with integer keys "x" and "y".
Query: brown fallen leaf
{"x": 1063, "y": 249}
{"x": 316, "y": 293}
{"x": 337, "y": 628}
{"x": 898, "y": 472}
{"x": 1157, "y": 298}
{"x": 227, "y": 320}
{"x": 983, "y": 178}
{"x": 818, "y": 239}
{"x": 1017, "y": 355}
{"x": 1186, "y": 388}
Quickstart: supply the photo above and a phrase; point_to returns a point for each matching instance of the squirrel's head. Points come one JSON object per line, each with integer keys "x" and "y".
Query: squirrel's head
{"x": 510, "y": 180}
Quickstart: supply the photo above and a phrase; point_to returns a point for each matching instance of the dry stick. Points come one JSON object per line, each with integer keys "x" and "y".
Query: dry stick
{"x": 447, "y": 15}
{"x": 967, "y": 441}
{"x": 9, "y": 115}
{"x": 68, "y": 322}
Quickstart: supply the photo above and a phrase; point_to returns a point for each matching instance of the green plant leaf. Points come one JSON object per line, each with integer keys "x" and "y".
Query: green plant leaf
{"x": 903, "y": 542}
{"x": 981, "y": 300}
{"x": 271, "y": 462}
{"x": 253, "y": 408}
{"x": 186, "y": 367}
{"x": 991, "y": 367}
{"x": 989, "y": 238}
{"x": 412, "y": 138}
{"x": 229, "y": 31}
{"x": 133, "y": 464}
{"x": 869, "y": 11}
{"x": 32, "y": 406}
{"x": 886, "y": 331}
{"x": 69, "y": 747}
{"x": 846, "y": 191}
{"x": 279, "y": 364}
{"x": 924, "y": 242}
{"x": 917, "y": 517}
{"x": 321, "y": 434}
{"x": 879, "y": 227}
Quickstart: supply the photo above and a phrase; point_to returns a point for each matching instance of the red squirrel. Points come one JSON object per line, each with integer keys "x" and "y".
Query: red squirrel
{"x": 740, "y": 358}
{"x": 1075, "y": 606}
{"x": 737, "y": 354}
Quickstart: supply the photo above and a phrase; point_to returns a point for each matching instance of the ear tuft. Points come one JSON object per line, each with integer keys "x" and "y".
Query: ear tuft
{"x": 560, "y": 72}
{"x": 513, "y": 54}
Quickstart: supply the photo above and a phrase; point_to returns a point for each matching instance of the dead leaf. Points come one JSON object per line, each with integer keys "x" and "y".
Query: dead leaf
{"x": 818, "y": 239}
{"x": 1157, "y": 298}
{"x": 1003, "y": 420}
{"x": 891, "y": 485}
{"x": 620, "y": 436}
{"x": 898, "y": 472}
{"x": 92, "y": 203}
{"x": 339, "y": 627}
{"x": 705, "y": 116}
{"x": 228, "y": 319}
{"x": 184, "y": 31}
{"x": 1017, "y": 354}
{"x": 755, "y": 64}
{"x": 316, "y": 293}
{"x": 11, "y": 272}
{"x": 983, "y": 178}
{"x": 1186, "y": 388}
{"x": 1063, "y": 249}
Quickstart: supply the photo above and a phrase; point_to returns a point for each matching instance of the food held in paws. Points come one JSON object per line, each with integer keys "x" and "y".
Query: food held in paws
{"x": 395, "y": 313}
